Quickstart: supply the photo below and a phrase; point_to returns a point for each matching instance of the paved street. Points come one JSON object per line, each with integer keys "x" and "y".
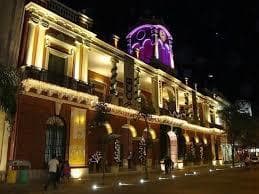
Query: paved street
{"x": 218, "y": 181}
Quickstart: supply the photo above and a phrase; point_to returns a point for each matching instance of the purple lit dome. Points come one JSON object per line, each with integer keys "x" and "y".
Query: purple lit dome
{"x": 152, "y": 41}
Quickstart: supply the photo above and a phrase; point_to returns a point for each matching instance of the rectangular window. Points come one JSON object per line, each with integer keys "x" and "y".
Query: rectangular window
{"x": 57, "y": 65}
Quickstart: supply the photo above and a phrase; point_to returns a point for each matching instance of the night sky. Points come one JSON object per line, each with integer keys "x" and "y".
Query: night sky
{"x": 209, "y": 37}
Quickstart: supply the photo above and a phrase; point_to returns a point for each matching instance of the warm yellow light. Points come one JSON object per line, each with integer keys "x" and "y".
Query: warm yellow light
{"x": 180, "y": 165}
{"x": 40, "y": 47}
{"x": 30, "y": 43}
{"x": 35, "y": 84}
{"x": 151, "y": 132}
{"x": 132, "y": 129}
{"x": 105, "y": 59}
{"x": 214, "y": 162}
{"x": 221, "y": 162}
{"x": 77, "y": 61}
{"x": 108, "y": 127}
{"x": 187, "y": 138}
{"x": 205, "y": 141}
{"x": 115, "y": 110}
{"x": 197, "y": 140}
{"x": 82, "y": 120}
{"x": 77, "y": 120}
{"x": 76, "y": 173}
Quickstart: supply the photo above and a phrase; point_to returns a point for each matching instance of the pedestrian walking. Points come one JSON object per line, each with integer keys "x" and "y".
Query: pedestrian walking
{"x": 52, "y": 175}
{"x": 129, "y": 160}
{"x": 167, "y": 164}
{"x": 59, "y": 169}
{"x": 66, "y": 171}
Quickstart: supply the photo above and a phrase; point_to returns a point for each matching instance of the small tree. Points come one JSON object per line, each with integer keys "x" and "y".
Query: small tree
{"x": 146, "y": 110}
{"x": 9, "y": 86}
{"x": 99, "y": 121}
{"x": 101, "y": 117}
{"x": 237, "y": 125}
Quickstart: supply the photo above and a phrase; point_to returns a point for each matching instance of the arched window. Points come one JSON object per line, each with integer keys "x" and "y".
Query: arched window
{"x": 55, "y": 138}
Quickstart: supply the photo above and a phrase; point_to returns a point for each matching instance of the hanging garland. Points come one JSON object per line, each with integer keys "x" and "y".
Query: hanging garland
{"x": 193, "y": 155}
{"x": 96, "y": 157}
{"x": 117, "y": 151}
{"x": 201, "y": 152}
{"x": 142, "y": 150}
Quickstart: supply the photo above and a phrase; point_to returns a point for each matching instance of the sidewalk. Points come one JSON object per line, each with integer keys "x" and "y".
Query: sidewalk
{"x": 110, "y": 180}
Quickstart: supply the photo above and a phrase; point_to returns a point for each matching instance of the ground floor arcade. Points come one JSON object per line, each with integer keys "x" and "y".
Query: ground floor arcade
{"x": 46, "y": 125}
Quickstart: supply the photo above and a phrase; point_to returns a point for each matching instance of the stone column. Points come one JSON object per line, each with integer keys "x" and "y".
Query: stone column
{"x": 156, "y": 93}
{"x": 205, "y": 108}
{"x": 70, "y": 63}
{"x": 40, "y": 44}
{"x": 171, "y": 53}
{"x": 154, "y": 33}
{"x": 194, "y": 106}
{"x": 30, "y": 40}
{"x": 76, "y": 69}
{"x": 85, "y": 58}
{"x": 213, "y": 154}
{"x": 113, "y": 88}
{"x": 177, "y": 99}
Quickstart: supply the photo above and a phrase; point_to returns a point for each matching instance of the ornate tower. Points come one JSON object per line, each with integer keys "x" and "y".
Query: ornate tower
{"x": 151, "y": 41}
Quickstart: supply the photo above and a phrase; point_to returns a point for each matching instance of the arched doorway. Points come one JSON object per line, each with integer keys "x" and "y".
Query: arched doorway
{"x": 55, "y": 141}
{"x": 169, "y": 143}
{"x": 128, "y": 151}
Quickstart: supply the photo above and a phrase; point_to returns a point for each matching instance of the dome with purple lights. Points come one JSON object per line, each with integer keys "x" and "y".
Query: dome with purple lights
{"x": 151, "y": 41}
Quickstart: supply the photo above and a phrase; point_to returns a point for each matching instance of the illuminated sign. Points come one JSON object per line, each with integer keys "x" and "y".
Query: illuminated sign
{"x": 77, "y": 137}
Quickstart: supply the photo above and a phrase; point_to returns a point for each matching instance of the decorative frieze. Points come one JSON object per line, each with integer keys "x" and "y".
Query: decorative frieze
{"x": 50, "y": 89}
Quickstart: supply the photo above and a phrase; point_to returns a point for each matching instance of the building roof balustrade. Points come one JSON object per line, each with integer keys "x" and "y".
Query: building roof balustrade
{"x": 65, "y": 12}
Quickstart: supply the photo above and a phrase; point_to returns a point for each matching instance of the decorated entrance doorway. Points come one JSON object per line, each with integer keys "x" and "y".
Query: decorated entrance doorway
{"x": 168, "y": 144}
{"x": 173, "y": 147}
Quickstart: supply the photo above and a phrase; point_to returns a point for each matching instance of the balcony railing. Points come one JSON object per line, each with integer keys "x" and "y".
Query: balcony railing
{"x": 52, "y": 78}
{"x": 213, "y": 125}
{"x": 181, "y": 115}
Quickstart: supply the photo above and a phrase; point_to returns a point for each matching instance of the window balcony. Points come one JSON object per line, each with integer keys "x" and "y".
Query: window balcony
{"x": 59, "y": 80}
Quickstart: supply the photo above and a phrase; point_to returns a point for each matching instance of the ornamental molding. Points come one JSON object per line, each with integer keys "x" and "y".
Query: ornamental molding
{"x": 89, "y": 101}
{"x": 50, "y": 90}
{"x": 54, "y": 18}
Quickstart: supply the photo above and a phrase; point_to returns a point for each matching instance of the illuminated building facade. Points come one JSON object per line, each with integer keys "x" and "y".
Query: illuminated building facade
{"x": 67, "y": 70}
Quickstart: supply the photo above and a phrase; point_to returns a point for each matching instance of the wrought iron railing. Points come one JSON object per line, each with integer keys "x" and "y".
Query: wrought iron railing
{"x": 52, "y": 78}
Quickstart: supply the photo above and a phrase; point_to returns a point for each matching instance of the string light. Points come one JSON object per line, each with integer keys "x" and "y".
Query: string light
{"x": 115, "y": 110}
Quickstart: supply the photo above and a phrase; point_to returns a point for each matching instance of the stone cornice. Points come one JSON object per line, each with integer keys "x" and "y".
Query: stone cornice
{"x": 50, "y": 16}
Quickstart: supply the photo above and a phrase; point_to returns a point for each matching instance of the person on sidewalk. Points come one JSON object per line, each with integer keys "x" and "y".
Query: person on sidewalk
{"x": 129, "y": 160}
{"x": 171, "y": 165}
{"x": 59, "y": 169}
{"x": 167, "y": 164}
{"x": 52, "y": 176}
{"x": 66, "y": 172}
